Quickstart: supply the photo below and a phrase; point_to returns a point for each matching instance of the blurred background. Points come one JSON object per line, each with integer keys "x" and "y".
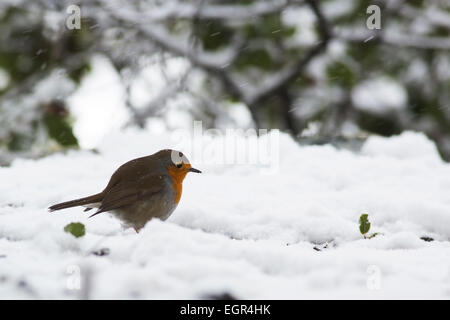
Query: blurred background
{"x": 329, "y": 71}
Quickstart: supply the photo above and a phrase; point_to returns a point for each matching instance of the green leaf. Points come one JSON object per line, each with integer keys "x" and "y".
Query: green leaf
{"x": 76, "y": 74}
{"x": 341, "y": 75}
{"x": 77, "y": 229}
{"x": 60, "y": 130}
{"x": 364, "y": 224}
{"x": 259, "y": 58}
{"x": 213, "y": 34}
{"x": 19, "y": 142}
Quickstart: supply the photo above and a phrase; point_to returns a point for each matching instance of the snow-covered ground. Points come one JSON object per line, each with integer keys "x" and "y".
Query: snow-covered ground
{"x": 237, "y": 230}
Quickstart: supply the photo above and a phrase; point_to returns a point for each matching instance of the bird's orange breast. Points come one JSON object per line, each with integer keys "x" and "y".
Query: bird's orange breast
{"x": 177, "y": 181}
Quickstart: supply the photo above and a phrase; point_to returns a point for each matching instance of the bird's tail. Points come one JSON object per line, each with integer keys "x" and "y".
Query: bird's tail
{"x": 77, "y": 202}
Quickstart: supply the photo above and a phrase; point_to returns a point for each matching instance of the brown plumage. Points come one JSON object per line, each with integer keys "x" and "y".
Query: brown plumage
{"x": 141, "y": 189}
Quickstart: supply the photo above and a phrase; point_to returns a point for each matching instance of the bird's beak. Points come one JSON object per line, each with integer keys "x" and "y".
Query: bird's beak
{"x": 194, "y": 170}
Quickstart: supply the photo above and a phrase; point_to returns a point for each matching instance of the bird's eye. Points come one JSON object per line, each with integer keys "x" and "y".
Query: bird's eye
{"x": 180, "y": 154}
{"x": 179, "y": 165}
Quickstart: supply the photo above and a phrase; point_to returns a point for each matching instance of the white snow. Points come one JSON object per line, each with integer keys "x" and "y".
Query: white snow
{"x": 379, "y": 96}
{"x": 236, "y": 230}
{"x": 303, "y": 20}
{"x": 98, "y": 104}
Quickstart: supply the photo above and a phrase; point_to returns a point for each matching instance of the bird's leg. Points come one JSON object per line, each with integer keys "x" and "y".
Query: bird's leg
{"x": 136, "y": 229}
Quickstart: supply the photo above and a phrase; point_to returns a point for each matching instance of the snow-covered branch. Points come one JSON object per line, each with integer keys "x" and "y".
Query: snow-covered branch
{"x": 217, "y": 64}
{"x": 432, "y": 15}
{"x": 178, "y": 45}
{"x": 284, "y": 77}
{"x": 276, "y": 81}
{"x": 204, "y": 10}
{"x": 394, "y": 39}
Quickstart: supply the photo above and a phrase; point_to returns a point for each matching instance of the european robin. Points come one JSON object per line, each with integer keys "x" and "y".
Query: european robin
{"x": 141, "y": 189}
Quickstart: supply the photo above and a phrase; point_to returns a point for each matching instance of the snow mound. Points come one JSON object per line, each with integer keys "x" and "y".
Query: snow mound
{"x": 291, "y": 233}
{"x": 379, "y": 96}
{"x": 404, "y": 146}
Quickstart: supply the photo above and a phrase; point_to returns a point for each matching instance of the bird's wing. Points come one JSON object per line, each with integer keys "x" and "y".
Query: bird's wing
{"x": 125, "y": 193}
{"x": 133, "y": 170}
